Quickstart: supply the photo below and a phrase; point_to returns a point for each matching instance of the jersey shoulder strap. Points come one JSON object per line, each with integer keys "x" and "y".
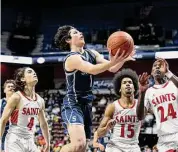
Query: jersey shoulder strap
{"x": 70, "y": 54}
{"x": 91, "y": 54}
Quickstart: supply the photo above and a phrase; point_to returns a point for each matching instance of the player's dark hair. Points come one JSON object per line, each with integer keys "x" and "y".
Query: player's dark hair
{"x": 9, "y": 81}
{"x": 123, "y": 74}
{"x": 61, "y": 36}
{"x": 19, "y": 73}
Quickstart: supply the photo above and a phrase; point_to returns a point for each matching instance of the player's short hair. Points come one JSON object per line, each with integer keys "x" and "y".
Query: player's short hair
{"x": 123, "y": 74}
{"x": 61, "y": 36}
{"x": 19, "y": 73}
{"x": 9, "y": 81}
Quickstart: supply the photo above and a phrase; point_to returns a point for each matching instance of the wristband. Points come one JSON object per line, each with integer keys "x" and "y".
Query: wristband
{"x": 169, "y": 74}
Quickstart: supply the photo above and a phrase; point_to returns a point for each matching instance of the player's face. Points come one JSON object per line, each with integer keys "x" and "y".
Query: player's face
{"x": 127, "y": 87}
{"x": 77, "y": 38}
{"x": 157, "y": 69}
{"x": 30, "y": 76}
{"x": 9, "y": 88}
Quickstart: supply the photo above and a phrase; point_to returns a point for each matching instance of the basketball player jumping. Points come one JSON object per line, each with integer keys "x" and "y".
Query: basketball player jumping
{"x": 80, "y": 65}
{"x": 121, "y": 115}
{"x": 162, "y": 100}
{"x": 9, "y": 87}
{"x": 23, "y": 108}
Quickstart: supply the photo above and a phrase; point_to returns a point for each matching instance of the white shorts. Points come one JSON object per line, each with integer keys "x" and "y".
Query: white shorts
{"x": 121, "y": 147}
{"x": 168, "y": 142}
{"x": 15, "y": 143}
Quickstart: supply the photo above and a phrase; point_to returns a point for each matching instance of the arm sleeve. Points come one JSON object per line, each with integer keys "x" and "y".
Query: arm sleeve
{"x": 147, "y": 104}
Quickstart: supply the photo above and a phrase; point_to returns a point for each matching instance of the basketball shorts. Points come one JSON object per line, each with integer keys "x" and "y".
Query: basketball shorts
{"x": 168, "y": 142}
{"x": 3, "y": 140}
{"x": 78, "y": 114}
{"x": 121, "y": 147}
{"x": 15, "y": 143}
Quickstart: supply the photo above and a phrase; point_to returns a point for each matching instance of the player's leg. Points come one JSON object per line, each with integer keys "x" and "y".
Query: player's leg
{"x": 73, "y": 118}
{"x": 77, "y": 138}
{"x": 87, "y": 111}
{"x": 13, "y": 143}
{"x": 87, "y": 144}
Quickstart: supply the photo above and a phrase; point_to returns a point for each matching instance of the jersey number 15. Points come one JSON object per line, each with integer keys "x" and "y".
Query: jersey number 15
{"x": 130, "y": 129}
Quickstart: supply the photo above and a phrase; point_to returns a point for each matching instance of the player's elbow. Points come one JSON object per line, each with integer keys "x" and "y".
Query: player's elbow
{"x": 101, "y": 132}
{"x": 94, "y": 73}
{"x": 3, "y": 121}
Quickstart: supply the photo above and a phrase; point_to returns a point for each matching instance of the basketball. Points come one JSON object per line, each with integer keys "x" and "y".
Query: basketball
{"x": 120, "y": 40}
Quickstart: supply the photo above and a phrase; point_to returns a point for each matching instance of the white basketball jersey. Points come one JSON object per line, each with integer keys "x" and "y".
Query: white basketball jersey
{"x": 163, "y": 101}
{"x": 23, "y": 120}
{"x": 127, "y": 126}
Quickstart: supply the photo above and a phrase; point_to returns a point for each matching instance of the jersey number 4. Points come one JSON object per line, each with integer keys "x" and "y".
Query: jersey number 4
{"x": 171, "y": 112}
{"x": 130, "y": 128}
{"x": 31, "y": 123}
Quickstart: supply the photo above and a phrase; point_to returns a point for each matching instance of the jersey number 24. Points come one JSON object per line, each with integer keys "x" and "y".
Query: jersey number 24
{"x": 171, "y": 112}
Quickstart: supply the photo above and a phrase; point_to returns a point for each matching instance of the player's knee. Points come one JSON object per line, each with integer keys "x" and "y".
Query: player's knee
{"x": 80, "y": 145}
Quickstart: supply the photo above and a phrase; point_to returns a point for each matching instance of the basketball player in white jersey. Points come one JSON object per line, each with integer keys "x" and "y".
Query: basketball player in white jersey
{"x": 9, "y": 87}
{"x": 162, "y": 100}
{"x": 23, "y": 108}
{"x": 121, "y": 115}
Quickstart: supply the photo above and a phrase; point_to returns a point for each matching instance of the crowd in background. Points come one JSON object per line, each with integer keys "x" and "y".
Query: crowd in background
{"x": 142, "y": 23}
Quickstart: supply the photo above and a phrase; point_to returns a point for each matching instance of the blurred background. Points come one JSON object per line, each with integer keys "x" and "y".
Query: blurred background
{"x": 27, "y": 31}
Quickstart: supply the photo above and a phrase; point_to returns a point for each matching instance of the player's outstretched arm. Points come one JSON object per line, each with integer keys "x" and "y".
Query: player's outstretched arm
{"x": 75, "y": 62}
{"x": 143, "y": 86}
{"x": 44, "y": 127}
{"x": 9, "y": 108}
{"x": 141, "y": 110}
{"x": 107, "y": 122}
{"x": 115, "y": 68}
